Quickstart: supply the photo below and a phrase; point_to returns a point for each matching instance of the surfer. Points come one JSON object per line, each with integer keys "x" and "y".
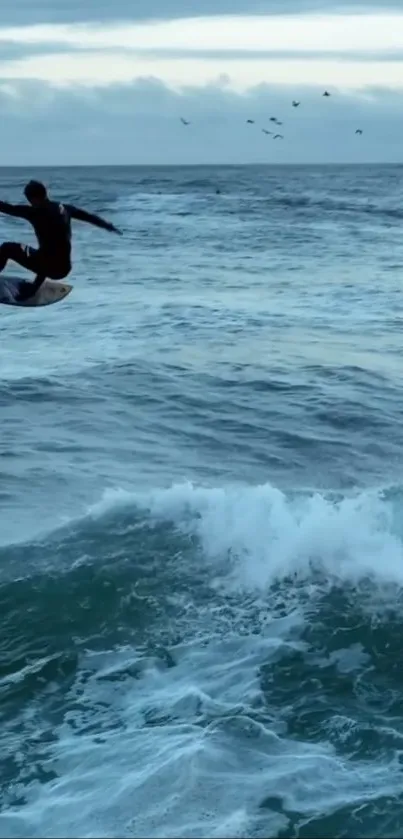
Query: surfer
{"x": 52, "y": 225}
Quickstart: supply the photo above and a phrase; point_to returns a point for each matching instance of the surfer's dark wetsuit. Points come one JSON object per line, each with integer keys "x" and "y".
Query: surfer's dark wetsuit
{"x": 52, "y": 224}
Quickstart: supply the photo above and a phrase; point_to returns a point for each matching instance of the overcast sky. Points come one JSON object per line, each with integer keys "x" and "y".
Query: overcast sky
{"x": 93, "y": 81}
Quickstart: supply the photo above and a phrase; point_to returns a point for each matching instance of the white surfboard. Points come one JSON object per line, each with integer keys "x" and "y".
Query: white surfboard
{"x": 51, "y": 291}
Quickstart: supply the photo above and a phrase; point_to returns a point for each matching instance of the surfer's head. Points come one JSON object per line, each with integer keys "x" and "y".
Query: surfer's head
{"x": 35, "y": 192}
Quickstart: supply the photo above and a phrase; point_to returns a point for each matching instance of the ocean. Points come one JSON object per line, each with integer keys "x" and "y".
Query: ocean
{"x": 201, "y": 541}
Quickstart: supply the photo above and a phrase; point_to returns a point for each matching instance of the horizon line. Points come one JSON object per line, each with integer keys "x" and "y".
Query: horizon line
{"x": 4, "y": 167}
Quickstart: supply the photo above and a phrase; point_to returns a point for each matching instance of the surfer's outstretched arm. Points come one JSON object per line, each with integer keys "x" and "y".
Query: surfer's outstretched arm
{"x": 90, "y": 218}
{"x": 18, "y": 210}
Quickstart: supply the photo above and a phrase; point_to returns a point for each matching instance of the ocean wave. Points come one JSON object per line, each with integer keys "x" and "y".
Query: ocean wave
{"x": 168, "y": 560}
{"x": 186, "y": 633}
{"x": 267, "y": 534}
{"x": 271, "y": 534}
{"x": 309, "y": 202}
{"x": 230, "y": 201}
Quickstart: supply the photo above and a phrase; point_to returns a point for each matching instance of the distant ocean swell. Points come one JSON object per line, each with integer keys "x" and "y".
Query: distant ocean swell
{"x": 233, "y": 203}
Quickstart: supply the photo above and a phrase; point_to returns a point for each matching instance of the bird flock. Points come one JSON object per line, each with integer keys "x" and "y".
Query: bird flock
{"x": 275, "y": 121}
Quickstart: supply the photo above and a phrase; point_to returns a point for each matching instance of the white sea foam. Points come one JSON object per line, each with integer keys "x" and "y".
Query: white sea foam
{"x": 271, "y": 535}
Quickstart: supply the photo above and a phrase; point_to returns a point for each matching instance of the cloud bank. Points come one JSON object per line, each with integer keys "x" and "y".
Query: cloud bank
{"x": 140, "y": 123}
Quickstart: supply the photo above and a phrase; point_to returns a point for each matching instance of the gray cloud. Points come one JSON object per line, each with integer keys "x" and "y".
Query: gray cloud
{"x": 23, "y": 12}
{"x": 16, "y": 51}
{"x": 140, "y": 124}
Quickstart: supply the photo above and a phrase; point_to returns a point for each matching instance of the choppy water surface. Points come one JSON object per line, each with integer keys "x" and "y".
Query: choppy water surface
{"x": 201, "y": 576}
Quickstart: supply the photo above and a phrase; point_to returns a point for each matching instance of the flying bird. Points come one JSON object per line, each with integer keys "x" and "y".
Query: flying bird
{"x": 278, "y": 122}
{"x": 250, "y": 121}
{"x": 278, "y": 136}
{"x": 273, "y": 119}
{"x": 295, "y": 104}
{"x": 359, "y": 131}
{"x": 265, "y": 131}
{"x": 326, "y": 93}
{"x": 185, "y": 121}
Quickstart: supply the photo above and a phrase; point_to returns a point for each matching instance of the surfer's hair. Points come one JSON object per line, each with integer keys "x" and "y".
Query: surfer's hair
{"x": 35, "y": 190}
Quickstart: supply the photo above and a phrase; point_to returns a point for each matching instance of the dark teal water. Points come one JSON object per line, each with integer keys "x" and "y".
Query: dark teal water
{"x": 201, "y": 541}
